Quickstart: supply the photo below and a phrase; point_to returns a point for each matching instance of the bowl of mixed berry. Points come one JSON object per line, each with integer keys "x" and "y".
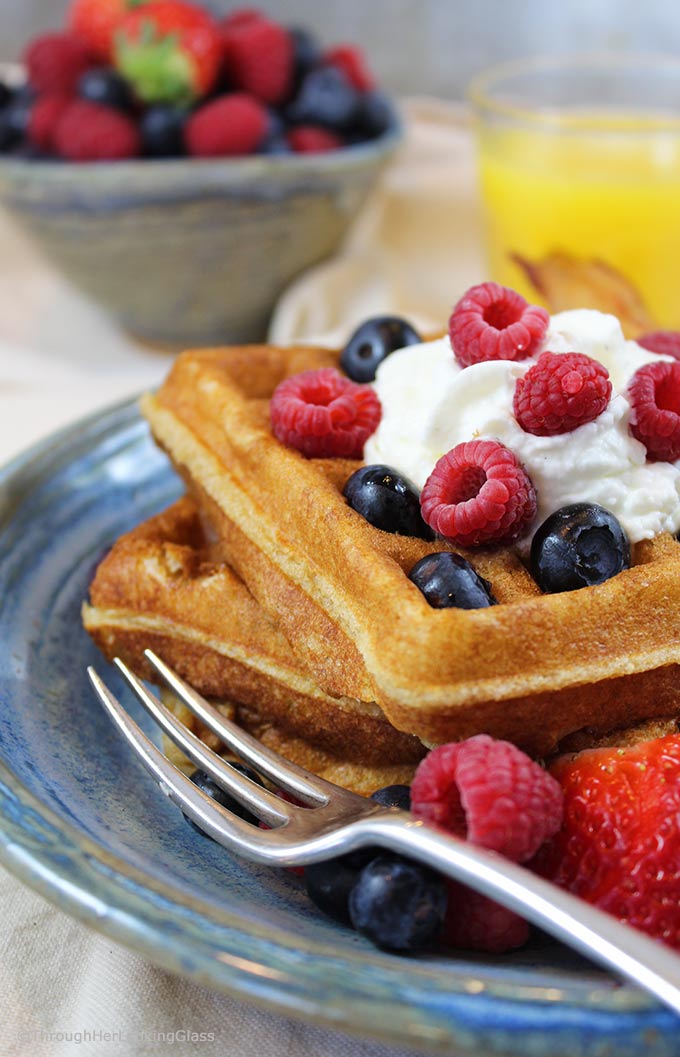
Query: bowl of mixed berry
{"x": 182, "y": 168}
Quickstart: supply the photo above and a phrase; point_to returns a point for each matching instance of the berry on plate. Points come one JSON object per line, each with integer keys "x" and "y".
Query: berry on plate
{"x": 619, "y": 845}
{"x": 95, "y": 22}
{"x": 490, "y": 793}
{"x": 330, "y": 882}
{"x": 258, "y": 57}
{"x": 210, "y": 787}
{"x": 492, "y": 322}
{"x": 578, "y": 546}
{"x": 478, "y": 493}
{"x": 663, "y": 342}
{"x": 654, "y": 394}
{"x": 230, "y": 125}
{"x": 372, "y": 342}
{"x": 473, "y": 922}
{"x": 560, "y": 393}
{"x": 394, "y": 796}
{"x": 87, "y": 132}
{"x": 323, "y": 414}
{"x": 398, "y": 904}
{"x": 55, "y": 62}
{"x": 387, "y": 500}
{"x": 447, "y": 580}
{"x": 169, "y": 50}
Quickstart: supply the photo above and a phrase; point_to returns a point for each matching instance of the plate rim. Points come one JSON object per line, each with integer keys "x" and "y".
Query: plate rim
{"x": 35, "y": 863}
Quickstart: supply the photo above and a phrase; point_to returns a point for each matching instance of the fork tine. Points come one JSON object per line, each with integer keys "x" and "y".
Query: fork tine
{"x": 268, "y": 807}
{"x": 217, "y": 821}
{"x": 283, "y": 773}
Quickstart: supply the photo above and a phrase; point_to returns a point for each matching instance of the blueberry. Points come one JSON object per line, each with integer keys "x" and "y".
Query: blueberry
{"x": 447, "y": 580}
{"x": 398, "y": 904}
{"x": 275, "y": 141}
{"x": 106, "y": 87}
{"x": 375, "y": 115}
{"x": 15, "y": 118}
{"x": 162, "y": 131}
{"x": 275, "y": 145}
{"x": 29, "y": 152}
{"x": 387, "y": 500}
{"x": 373, "y": 342}
{"x": 325, "y": 98}
{"x": 578, "y": 546}
{"x": 329, "y": 883}
{"x": 206, "y": 784}
{"x": 306, "y": 52}
{"x": 6, "y": 95}
{"x": 394, "y": 796}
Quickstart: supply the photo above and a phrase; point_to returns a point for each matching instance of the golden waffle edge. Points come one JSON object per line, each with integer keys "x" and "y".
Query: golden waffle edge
{"x": 533, "y": 669}
{"x": 160, "y": 587}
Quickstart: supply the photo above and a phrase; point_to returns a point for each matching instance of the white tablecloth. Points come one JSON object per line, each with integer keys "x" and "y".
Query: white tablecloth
{"x": 414, "y": 250}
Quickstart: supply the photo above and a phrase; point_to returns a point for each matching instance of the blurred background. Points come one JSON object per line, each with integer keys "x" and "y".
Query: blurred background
{"x": 433, "y": 46}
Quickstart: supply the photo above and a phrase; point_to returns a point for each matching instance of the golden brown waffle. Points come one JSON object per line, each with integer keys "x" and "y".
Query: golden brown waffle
{"x": 532, "y": 669}
{"x": 160, "y": 587}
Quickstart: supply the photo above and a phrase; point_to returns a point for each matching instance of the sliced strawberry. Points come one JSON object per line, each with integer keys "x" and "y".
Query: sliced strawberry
{"x": 619, "y": 845}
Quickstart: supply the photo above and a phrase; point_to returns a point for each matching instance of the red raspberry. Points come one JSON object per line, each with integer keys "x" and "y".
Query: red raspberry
{"x": 489, "y": 792}
{"x": 561, "y": 392}
{"x": 478, "y": 493}
{"x": 492, "y": 322}
{"x": 474, "y": 922}
{"x": 46, "y": 113}
{"x": 228, "y": 126}
{"x": 663, "y": 342}
{"x": 311, "y": 139}
{"x": 55, "y": 62}
{"x": 619, "y": 845}
{"x": 654, "y": 394}
{"x": 258, "y": 56}
{"x": 323, "y": 414}
{"x": 88, "y": 132}
{"x": 352, "y": 61}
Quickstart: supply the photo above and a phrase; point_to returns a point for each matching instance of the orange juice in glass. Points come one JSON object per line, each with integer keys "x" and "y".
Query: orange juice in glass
{"x": 579, "y": 161}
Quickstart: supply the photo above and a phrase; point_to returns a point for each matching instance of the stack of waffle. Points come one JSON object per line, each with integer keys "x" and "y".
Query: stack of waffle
{"x": 272, "y": 596}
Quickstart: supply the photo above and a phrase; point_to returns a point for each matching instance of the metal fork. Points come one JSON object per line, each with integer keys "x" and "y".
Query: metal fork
{"x": 335, "y": 821}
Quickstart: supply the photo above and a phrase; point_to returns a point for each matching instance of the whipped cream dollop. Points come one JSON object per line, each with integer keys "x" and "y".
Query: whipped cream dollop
{"x": 430, "y": 404}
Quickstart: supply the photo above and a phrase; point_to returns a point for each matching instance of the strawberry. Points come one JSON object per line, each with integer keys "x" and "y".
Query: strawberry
{"x": 94, "y": 22}
{"x": 619, "y": 845}
{"x": 170, "y": 51}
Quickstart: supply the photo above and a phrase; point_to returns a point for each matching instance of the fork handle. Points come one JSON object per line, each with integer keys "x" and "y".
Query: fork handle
{"x": 647, "y": 962}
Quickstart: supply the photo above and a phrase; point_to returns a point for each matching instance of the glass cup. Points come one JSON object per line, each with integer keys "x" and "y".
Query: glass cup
{"x": 579, "y": 161}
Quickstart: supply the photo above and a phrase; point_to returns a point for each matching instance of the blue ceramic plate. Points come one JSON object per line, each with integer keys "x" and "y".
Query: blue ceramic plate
{"x": 81, "y": 823}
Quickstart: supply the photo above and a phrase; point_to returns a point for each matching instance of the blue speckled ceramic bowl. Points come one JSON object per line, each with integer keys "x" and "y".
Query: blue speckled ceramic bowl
{"x": 193, "y": 252}
{"x": 82, "y": 824}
